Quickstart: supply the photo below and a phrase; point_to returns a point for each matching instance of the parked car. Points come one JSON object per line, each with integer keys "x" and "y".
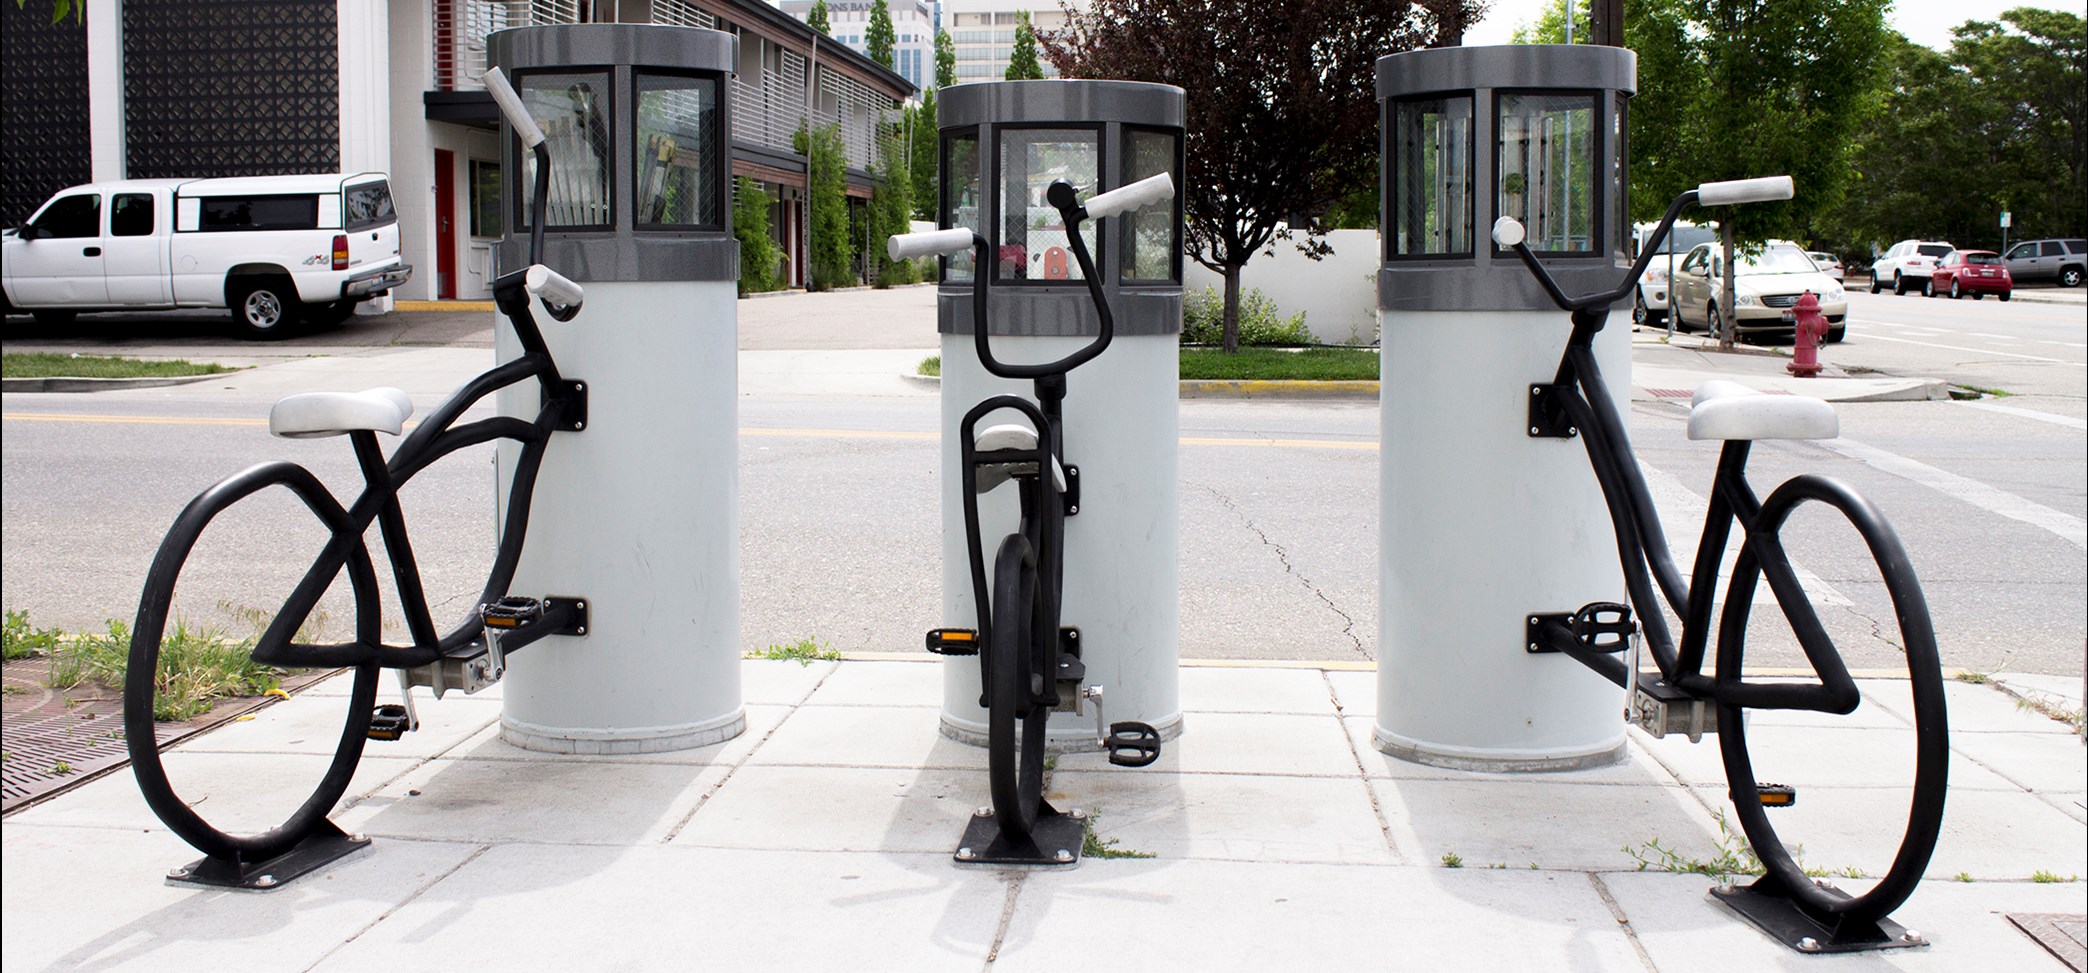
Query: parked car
{"x": 2060, "y": 260}
{"x": 1766, "y": 290}
{"x": 1828, "y": 263}
{"x": 1649, "y": 307}
{"x": 273, "y": 249}
{"x": 1907, "y": 264}
{"x": 1974, "y": 272}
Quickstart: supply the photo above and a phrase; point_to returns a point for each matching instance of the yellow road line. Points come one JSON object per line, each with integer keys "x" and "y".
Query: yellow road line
{"x": 750, "y": 433}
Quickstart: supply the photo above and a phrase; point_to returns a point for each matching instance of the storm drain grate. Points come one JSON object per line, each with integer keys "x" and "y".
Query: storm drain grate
{"x": 2065, "y": 936}
{"x": 45, "y": 753}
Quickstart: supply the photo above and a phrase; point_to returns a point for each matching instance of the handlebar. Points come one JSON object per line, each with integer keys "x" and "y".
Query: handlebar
{"x": 928, "y": 243}
{"x": 554, "y": 289}
{"x": 511, "y": 105}
{"x": 1124, "y": 199}
{"x": 1767, "y": 189}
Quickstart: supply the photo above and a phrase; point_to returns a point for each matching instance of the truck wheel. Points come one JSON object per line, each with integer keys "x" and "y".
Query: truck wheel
{"x": 265, "y": 309}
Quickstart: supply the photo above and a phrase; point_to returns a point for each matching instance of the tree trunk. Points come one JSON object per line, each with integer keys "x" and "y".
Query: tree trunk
{"x": 1727, "y": 335}
{"x": 1232, "y": 309}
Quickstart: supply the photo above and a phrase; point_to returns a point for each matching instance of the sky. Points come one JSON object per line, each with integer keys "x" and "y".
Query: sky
{"x": 1923, "y": 21}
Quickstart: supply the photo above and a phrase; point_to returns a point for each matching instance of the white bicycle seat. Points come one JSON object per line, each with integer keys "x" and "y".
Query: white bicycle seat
{"x": 1011, "y": 436}
{"x": 312, "y": 415}
{"x": 1730, "y": 410}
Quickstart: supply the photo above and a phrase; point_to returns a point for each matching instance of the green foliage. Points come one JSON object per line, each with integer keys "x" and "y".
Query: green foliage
{"x": 75, "y": 365}
{"x": 930, "y": 366}
{"x": 879, "y": 38}
{"x": 826, "y": 210}
{"x": 803, "y": 651}
{"x": 60, "y": 9}
{"x": 197, "y": 666}
{"x": 1278, "y": 364}
{"x": 2043, "y": 877}
{"x": 1735, "y": 857}
{"x": 1203, "y": 320}
{"x": 750, "y": 225}
{"x": 1452, "y": 859}
{"x": 816, "y": 18}
{"x": 1093, "y": 845}
{"x": 1550, "y": 27}
{"x": 921, "y": 156}
{"x": 20, "y": 640}
{"x": 945, "y": 59}
{"x": 891, "y": 205}
{"x": 1022, "y": 62}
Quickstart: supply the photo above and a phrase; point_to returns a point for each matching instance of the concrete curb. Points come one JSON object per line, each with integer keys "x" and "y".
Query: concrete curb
{"x": 63, "y": 384}
{"x": 442, "y": 305}
{"x": 1236, "y": 388}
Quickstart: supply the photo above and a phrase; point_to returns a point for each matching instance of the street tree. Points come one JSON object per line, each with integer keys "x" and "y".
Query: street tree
{"x": 891, "y": 204}
{"x": 921, "y": 135}
{"x": 1022, "y": 62}
{"x": 945, "y": 59}
{"x": 816, "y": 18}
{"x": 1282, "y": 114}
{"x": 879, "y": 38}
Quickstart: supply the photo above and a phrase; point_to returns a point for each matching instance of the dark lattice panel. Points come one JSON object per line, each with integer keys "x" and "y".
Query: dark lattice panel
{"x": 44, "y": 145}
{"x": 231, "y": 88}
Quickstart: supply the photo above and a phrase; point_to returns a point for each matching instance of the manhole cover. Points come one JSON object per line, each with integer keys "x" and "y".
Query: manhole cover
{"x": 2065, "y": 936}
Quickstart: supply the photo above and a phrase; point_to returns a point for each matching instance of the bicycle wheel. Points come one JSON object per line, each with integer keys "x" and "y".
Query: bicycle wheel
{"x": 1925, "y": 778}
{"x": 1015, "y": 727}
{"x": 161, "y": 661}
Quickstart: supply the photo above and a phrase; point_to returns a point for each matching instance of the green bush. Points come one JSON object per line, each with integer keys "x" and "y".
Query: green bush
{"x": 750, "y": 225}
{"x": 1203, "y": 320}
{"x": 22, "y": 640}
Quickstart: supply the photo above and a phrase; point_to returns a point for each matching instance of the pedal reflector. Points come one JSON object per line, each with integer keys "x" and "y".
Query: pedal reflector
{"x": 1777, "y": 795}
{"x": 953, "y": 641}
{"x": 511, "y": 612}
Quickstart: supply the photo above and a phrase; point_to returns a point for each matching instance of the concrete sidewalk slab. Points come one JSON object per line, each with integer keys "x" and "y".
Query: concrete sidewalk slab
{"x": 824, "y": 835}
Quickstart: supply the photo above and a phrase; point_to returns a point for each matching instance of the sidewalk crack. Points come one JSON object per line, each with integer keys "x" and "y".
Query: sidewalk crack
{"x": 1348, "y": 622}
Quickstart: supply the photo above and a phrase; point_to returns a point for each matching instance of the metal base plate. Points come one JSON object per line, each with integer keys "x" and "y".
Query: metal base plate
{"x": 1779, "y": 917}
{"x": 1055, "y": 840}
{"x": 316, "y": 851}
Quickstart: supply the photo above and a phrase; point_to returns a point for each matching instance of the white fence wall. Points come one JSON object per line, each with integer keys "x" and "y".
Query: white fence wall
{"x": 1338, "y": 293}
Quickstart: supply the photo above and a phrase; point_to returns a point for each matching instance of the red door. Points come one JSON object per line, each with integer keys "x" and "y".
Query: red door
{"x": 445, "y": 224}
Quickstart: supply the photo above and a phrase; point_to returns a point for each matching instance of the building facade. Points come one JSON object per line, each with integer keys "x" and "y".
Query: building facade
{"x": 984, "y": 34}
{"x": 913, "y": 29}
{"x": 202, "y": 88}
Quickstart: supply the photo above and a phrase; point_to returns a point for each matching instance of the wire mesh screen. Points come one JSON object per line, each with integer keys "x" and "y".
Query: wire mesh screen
{"x": 573, "y": 110}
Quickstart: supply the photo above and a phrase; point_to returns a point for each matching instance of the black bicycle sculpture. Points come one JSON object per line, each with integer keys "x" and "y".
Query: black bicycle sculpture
{"x": 1808, "y": 915}
{"x": 1029, "y": 663}
{"x": 470, "y": 656}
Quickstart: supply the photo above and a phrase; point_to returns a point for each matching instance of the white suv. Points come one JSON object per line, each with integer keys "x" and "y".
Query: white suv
{"x": 1908, "y": 265}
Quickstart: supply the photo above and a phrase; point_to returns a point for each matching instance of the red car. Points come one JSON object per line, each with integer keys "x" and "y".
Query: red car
{"x": 1974, "y": 272}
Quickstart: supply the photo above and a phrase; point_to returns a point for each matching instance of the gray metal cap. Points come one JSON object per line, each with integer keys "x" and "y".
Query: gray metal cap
{"x": 1061, "y": 309}
{"x": 1491, "y": 280}
{"x": 622, "y": 253}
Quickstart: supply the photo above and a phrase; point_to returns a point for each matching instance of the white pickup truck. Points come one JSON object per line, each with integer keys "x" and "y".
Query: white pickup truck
{"x": 274, "y": 249}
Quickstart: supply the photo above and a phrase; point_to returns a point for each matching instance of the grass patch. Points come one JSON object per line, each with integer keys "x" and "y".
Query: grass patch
{"x": 197, "y": 667}
{"x": 52, "y": 365}
{"x": 930, "y": 366}
{"x": 20, "y": 640}
{"x": 2043, "y": 877}
{"x": 1315, "y": 364}
{"x": 1734, "y": 857}
{"x": 803, "y": 651}
{"x": 1093, "y": 845}
{"x": 1452, "y": 859}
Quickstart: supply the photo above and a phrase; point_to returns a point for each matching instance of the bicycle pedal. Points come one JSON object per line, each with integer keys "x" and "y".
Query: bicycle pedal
{"x": 1604, "y": 626}
{"x": 389, "y": 722}
{"x": 1777, "y": 795}
{"x": 511, "y": 612}
{"x": 953, "y": 641}
{"x": 1133, "y": 744}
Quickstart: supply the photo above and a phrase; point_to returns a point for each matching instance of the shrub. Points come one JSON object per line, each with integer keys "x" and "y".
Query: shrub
{"x": 750, "y": 224}
{"x": 1203, "y": 320}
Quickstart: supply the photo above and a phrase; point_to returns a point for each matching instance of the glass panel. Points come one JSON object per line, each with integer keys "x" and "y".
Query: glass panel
{"x": 1033, "y": 237}
{"x": 1431, "y": 177}
{"x": 261, "y": 213}
{"x": 370, "y": 205}
{"x": 130, "y": 214}
{"x": 1152, "y": 235}
{"x": 486, "y": 216}
{"x": 573, "y": 111}
{"x": 72, "y": 217}
{"x": 960, "y": 197}
{"x": 677, "y": 175}
{"x": 1547, "y": 178}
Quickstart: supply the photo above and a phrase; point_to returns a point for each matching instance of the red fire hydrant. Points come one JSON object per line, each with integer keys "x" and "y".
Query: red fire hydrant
{"x": 1810, "y": 327}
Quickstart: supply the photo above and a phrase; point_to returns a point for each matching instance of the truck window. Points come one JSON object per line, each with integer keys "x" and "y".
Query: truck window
{"x": 232, "y": 213}
{"x": 130, "y": 214}
{"x": 72, "y": 217}
{"x": 369, "y": 204}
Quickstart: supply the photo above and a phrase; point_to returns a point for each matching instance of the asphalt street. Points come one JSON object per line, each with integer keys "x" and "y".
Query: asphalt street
{"x": 1279, "y": 508}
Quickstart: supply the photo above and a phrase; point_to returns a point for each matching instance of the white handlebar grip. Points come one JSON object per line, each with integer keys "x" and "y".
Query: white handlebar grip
{"x": 928, "y": 243}
{"x": 547, "y": 284}
{"x": 511, "y": 105}
{"x": 1507, "y": 231}
{"x": 1763, "y": 190}
{"x": 1124, "y": 199}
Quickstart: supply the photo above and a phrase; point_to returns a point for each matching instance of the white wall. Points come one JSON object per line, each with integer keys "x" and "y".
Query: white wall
{"x": 1338, "y": 293}
{"x": 105, "y": 91}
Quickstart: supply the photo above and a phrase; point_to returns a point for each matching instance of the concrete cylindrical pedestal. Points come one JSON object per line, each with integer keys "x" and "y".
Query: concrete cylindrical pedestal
{"x": 1482, "y": 523}
{"x": 1003, "y": 143}
{"x": 638, "y": 512}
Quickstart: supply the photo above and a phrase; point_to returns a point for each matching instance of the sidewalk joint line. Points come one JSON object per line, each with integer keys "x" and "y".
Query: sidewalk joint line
{"x": 702, "y": 802}
{"x": 1623, "y": 921}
